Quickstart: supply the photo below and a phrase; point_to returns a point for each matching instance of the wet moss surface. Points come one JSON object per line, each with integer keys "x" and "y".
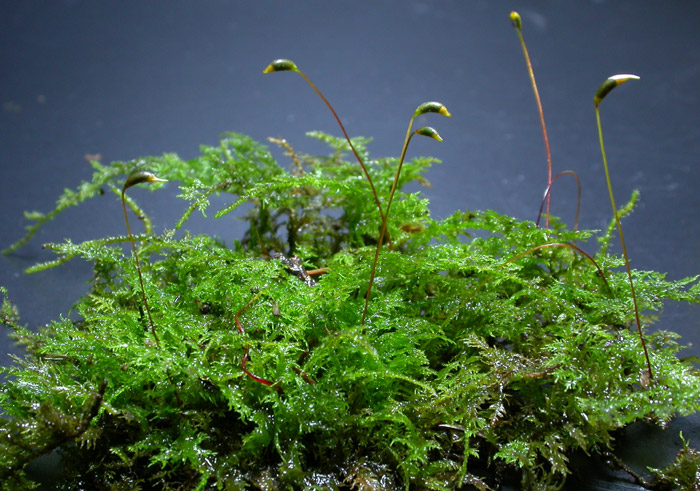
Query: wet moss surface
{"x": 477, "y": 359}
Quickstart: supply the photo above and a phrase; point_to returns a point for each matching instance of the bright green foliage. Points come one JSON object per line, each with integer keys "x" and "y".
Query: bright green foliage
{"x": 465, "y": 362}
{"x": 684, "y": 473}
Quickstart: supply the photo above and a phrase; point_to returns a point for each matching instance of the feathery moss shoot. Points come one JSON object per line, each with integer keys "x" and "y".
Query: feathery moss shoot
{"x": 491, "y": 347}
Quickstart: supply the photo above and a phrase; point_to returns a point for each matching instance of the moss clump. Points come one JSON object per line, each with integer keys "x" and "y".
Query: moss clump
{"x": 683, "y": 473}
{"x": 467, "y": 363}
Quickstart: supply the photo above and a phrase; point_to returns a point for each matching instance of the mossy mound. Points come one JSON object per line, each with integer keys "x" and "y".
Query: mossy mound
{"x": 263, "y": 373}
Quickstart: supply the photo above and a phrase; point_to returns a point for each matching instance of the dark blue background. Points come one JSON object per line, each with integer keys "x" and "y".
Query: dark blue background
{"x": 127, "y": 79}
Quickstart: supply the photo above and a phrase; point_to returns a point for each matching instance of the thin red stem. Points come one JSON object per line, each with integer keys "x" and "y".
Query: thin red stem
{"x": 244, "y": 361}
{"x": 529, "y": 251}
{"x": 352, "y": 147}
{"x": 622, "y": 242}
{"x": 385, "y": 218}
{"x": 561, "y": 244}
{"x": 549, "y": 189}
{"x": 138, "y": 269}
{"x": 541, "y": 114}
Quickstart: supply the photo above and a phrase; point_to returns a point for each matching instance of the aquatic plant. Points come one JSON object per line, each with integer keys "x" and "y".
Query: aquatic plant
{"x": 492, "y": 347}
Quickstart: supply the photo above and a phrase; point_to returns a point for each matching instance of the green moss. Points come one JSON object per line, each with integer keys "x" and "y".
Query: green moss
{"x": 465, "y": 364}
{"x": 683, "y": 473}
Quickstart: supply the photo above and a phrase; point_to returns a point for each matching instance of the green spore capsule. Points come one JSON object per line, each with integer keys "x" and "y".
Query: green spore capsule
{"x": 281, "y": 65}
{"x": 432, "y": 107}
{"x": 516, "y": 20}
{"x": 429, "y": 132}
{"x": 610, "y": 84}
{"x": 140, "y": 177}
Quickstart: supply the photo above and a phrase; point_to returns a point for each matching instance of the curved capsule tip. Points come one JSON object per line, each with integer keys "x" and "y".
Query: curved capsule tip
{"x": 281, "y": 65}
{"x": 515, "y": 20}
{"x": 432, "y": 107}
{"x": 610, "y": 83}
{"x": 429, "y": 132}
{"x": 139, "y": 177}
